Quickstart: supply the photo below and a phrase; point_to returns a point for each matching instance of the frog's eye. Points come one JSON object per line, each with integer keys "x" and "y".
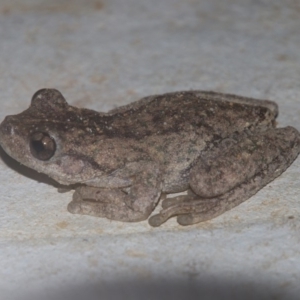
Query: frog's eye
{"x": 42, "y": 145}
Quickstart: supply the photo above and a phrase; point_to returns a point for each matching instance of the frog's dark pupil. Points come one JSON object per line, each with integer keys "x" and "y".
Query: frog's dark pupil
{"x": 38, "y": 146}
{"x": 42, "y": 146}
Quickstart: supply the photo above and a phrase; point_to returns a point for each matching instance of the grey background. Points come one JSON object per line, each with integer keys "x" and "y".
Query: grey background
{"x": 102, "y": 54}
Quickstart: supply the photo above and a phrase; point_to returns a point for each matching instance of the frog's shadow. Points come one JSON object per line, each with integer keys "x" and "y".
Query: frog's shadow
{"x": 30, "y": 173}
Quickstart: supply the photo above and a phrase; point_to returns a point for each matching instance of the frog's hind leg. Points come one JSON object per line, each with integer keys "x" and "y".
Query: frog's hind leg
{"x": 273, "y": 151}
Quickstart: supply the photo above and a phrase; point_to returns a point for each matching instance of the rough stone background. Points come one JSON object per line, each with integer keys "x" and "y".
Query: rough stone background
{"x": 104, "y": 53}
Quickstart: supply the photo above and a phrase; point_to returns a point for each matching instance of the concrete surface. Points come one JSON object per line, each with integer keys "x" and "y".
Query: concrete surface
{"x": 105, "y": 53}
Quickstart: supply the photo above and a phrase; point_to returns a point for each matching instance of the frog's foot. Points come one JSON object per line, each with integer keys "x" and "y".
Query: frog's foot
{"x": 193, "y": 209}
{"x": 184, "y": 206}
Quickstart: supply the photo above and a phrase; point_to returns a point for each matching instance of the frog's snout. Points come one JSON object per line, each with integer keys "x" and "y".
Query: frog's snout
{"x": 6, "y": 127}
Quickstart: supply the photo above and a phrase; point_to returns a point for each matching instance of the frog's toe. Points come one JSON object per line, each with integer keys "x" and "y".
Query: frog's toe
{"x": 74, "y": 207}
{"x": 157, "y": 220}
{"x": 185, "y": 220}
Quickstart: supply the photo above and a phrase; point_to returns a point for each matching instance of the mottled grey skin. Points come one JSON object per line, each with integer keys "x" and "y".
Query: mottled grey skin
{"x": 221, "y": 148}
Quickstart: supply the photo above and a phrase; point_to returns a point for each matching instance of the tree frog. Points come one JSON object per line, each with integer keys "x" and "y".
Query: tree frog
{"x": 220, "y": 148}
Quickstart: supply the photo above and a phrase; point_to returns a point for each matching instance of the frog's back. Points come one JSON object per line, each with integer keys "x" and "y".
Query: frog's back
{"x": 175, "y": 128}
{"x": 196, "y": 111}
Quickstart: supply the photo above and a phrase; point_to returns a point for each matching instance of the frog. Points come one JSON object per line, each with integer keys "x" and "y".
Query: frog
{"x": 219, "y": 149}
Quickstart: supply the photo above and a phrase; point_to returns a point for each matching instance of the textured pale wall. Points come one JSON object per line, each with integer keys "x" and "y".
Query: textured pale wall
{"x": 102, "y": 54}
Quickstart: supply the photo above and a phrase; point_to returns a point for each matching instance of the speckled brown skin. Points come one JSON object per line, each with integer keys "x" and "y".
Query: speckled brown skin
{"x": 223, "y": 148}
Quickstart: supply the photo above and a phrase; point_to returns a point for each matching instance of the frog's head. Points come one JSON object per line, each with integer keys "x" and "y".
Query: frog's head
{"x": 51, "y": 137}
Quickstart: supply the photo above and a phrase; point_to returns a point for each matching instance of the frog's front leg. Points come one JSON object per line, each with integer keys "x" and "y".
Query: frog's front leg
{"x": 131, "y": 204}
{"x": 232, "y": 173}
